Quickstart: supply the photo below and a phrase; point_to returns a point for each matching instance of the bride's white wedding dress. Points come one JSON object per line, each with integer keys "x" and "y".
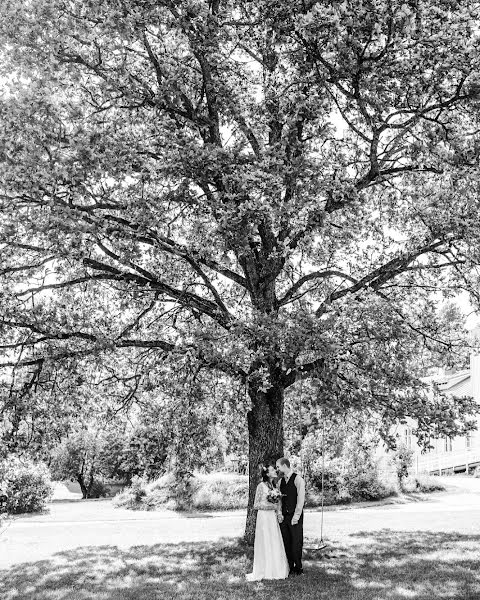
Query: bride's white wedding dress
{"x": 269, "y": 560}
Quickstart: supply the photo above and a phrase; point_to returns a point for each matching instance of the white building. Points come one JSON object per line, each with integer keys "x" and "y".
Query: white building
{"x": 449, "y": 456}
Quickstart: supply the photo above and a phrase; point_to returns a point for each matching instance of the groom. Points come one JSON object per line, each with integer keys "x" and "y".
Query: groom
{"x": 290, "y": 514}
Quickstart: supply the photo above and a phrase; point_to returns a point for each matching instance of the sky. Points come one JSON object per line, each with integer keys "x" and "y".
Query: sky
{"x": 472, "y": 316}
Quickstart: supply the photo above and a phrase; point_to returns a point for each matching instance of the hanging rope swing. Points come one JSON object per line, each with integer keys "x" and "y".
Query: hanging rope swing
{"x": 321, "y": 545}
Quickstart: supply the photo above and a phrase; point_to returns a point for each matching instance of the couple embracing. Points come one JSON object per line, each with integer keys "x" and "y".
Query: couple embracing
{"x": 279, "y": 530}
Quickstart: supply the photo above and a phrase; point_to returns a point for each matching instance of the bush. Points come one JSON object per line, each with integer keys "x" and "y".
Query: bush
{"x": 345, "y": 481}
{"x": 26, "y": 486}
{"x": 335, "y": 488}
{"x": 213, "y": 491}
{"x": 132, "y": 496}
{"x": 424, "y": 483}
{"x": 99, "y": 490}
{"x": 160, "y": 493}
{"x": 3, "y": 497}
{"x": 365, "y": 484}
{"x": 220, "y": 491}
{"x": 228, "y": 491}
{"x": 403, "y": 460}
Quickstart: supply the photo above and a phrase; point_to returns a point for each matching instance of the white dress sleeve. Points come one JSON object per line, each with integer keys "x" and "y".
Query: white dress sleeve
{"x": 261, "y": 502}
{"x": 258, "y": 497}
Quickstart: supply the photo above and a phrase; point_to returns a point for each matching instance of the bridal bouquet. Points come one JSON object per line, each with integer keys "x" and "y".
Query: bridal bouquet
{"x": 274, "y": 496}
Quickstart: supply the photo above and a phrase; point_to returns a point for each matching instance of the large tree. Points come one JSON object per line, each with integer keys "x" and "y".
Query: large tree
{"x": 271, "y": 187}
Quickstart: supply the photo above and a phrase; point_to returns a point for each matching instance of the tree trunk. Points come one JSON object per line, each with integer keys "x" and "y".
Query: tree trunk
{"x": 83, "y": 487}
{"x": 90, "y": 485}
{"x": 265, "y": 436}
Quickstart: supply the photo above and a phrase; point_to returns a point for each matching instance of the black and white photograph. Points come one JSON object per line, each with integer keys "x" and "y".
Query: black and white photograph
{"x": 239, "y": 300}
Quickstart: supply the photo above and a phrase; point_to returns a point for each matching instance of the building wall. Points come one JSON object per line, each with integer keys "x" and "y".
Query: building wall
{"x": 455, "y": 454}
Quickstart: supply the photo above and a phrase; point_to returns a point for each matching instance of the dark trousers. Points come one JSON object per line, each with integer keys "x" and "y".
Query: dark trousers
{"x": 293, "y": 541}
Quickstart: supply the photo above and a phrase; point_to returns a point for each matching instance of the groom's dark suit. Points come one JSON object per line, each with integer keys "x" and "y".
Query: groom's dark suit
{"x": 292, "y": 534}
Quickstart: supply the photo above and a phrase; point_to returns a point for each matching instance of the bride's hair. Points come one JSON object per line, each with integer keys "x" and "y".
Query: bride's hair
{"x": 264, "y": 473}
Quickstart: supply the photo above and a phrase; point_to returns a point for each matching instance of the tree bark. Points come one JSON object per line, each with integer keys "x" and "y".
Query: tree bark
{"x": 83, "y": 487}
{"x": 90, "y": 485}
{"x": 265, "y": 434}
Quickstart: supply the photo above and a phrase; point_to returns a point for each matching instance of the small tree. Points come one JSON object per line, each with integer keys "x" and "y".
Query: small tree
{"x": 144, "y": 453}
{"x": 403, "y": 460}
{"x": 79, "y": 457}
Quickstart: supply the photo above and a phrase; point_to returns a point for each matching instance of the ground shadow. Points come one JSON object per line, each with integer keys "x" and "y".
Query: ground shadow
{"x": 384, "y": 565}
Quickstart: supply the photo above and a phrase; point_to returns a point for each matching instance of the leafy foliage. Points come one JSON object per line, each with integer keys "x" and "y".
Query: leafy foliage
{"x": 403, "y": 460}
{"x": 212, "y": 491}
{"x": 24, "y": 486}
{"x": 81, "y": 456}
{"x": 423, "y": 484}
{"x": 352, "y": 473}
{"x": 144, "y": 453}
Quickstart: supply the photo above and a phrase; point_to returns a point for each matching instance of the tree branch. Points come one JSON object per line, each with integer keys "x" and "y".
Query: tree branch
{"x": 311, "y": 276}
{"x": 381, "y": 275}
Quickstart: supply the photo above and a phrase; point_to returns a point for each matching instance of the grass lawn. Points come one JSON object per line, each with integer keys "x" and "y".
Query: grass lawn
{"x": 385, "y": 565}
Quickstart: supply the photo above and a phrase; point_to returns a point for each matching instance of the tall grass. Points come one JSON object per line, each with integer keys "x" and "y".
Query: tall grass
{"x": 213, "y": 491}
{"x": 423, "y": 484}
{"x": 229, "y": 491}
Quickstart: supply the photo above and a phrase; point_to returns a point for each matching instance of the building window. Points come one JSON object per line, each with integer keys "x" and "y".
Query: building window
{"x": 468, "y": 441}
{"x": 448, "y": 444}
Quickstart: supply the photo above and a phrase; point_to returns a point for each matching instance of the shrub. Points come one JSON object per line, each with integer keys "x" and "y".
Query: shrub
{"x": 363, "y": 483}
{"x": 335, "y": 488}
{"x": 213, "y": 491}
{"x": 182, "y": 487}
{"x": 161, "y": 492}
{"x": 132, "y": 496}
{"x": 402, "y": 459}
{"x": 346, "y": 480}
{"x": 220, "y": 491}
{"x": 424, "y": 483}
{"x": 137, "y": 488}
{"x": 3, "y": 496}
{"x": 99, "y": 490}
{"x": 26, "y": 485}
{"x": 227, "y": 491}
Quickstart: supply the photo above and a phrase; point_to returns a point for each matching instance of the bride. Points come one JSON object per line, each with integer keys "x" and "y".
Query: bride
{"x": 269, "y": 560}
